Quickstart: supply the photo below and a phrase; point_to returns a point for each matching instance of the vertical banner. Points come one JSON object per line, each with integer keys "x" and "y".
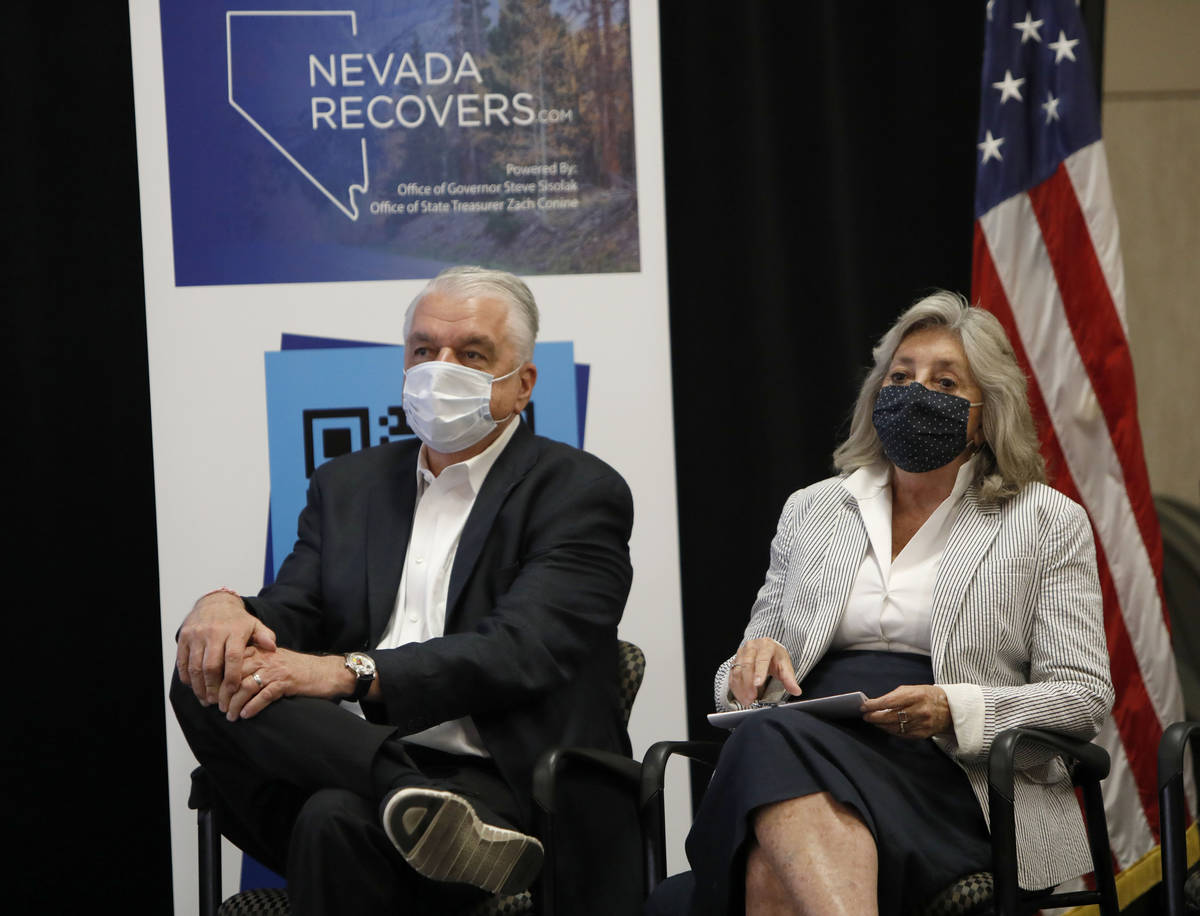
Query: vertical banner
{"x": 1047, "y": 262}
{"x": 304, "y": 169}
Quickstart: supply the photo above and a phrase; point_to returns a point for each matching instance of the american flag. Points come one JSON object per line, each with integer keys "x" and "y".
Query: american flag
{"x": 1047, "y": 262}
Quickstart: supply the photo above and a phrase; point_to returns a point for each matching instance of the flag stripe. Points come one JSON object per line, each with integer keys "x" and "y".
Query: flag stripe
{"x": 1088, "y": 169}
{"x": 1129, "y": 830}
{"x": 1099, "y": 336}
{"x": 1032, "y": 294}
{"x": 1138, "y": 733}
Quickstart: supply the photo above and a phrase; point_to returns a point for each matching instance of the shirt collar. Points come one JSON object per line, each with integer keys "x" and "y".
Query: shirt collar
{"x": 966, "y": 476}
{"x": 471, "y": 472}
{"x": 869, "y": 480}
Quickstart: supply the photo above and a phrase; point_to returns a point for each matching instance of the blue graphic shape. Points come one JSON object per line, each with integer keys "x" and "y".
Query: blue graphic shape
{"x": 324, "y": 402}
{"x": 257, "y": 875}
{"x": 312, "y": 342}
{"x": 583, "y": 373}
{"x": 262, "y": 49}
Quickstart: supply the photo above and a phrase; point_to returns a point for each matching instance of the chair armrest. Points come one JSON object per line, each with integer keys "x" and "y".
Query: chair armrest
{"x": 1091, "y": 760}
{"x": 1171, "y": 804}
{"x": 1175, "y": 739}
{"x": 548, "y": 775}
{"x": 654, "y": 771}
{"x": 1091, "y": 766}
{"x": 654, "y": 764}
{"x": 555, "y": 761}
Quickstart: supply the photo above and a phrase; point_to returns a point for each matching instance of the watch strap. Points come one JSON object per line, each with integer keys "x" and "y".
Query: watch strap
{"x": 364, "y": 681}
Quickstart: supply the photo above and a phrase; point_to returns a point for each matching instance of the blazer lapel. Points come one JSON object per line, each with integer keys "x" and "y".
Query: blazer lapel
{"x": 973, "y": 532}
{"x": 511, "y": 466}
{"x": 389, "y": 524}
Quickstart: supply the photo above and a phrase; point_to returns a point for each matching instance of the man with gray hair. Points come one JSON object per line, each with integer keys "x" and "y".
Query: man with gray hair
{"x": 465, "y": 590}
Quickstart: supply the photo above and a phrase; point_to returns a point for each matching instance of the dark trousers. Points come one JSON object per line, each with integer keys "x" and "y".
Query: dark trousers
{"x": 299, "y": 788}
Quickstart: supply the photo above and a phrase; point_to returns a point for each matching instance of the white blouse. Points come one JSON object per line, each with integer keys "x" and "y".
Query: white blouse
{"x": 890, "y": 600}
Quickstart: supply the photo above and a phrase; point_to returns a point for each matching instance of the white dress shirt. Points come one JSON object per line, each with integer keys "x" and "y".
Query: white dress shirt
{"x": 442, "y": 506}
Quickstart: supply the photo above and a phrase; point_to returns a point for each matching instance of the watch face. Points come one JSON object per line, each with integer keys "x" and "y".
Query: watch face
{"x": 362, "y": 665}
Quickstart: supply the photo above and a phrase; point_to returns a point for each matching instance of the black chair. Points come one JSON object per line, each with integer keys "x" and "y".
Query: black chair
{"x": 973, "y": 895}
{"x": 604, "y": 772}
{"x": 1180, "y": 523}
{"x": 1180, "y": 891}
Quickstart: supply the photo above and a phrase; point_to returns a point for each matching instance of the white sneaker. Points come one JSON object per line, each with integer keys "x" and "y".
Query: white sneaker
{"x": 439, "y": 834}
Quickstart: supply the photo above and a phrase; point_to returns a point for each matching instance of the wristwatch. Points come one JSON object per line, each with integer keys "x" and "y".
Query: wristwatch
{"x": 363, "y": 667}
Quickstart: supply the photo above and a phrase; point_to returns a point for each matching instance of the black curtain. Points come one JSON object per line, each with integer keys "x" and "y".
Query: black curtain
{"x": 85, "y": 788}
{"x": 820, "y": 170}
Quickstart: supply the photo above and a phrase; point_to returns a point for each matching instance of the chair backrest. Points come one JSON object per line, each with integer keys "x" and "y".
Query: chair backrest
{"x": 1172, "y": 804}
{"x": 631, "y": 668}
{"x": 1180, "y": 524}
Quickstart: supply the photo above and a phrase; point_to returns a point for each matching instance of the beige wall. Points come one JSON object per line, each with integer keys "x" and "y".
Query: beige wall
{"x": 1151, "y": 111}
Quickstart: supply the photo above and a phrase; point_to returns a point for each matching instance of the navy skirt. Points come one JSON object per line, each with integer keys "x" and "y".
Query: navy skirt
{"x": 916, "y": 801}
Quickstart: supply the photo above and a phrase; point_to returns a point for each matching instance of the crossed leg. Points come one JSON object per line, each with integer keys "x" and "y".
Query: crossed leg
{"x": 299, "y": 787}
{"x": 812, "y": 856}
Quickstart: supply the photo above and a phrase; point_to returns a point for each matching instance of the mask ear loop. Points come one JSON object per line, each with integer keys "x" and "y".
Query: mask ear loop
{"x": 500, "y": 378}
{"x": 974, "y": 446}
{"x": 520, "y": 366}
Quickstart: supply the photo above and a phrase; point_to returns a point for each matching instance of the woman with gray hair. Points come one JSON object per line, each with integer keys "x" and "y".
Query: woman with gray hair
{"x": 938, "y": 575}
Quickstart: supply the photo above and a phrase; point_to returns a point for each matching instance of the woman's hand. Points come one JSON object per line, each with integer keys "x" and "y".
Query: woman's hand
{"x": 754, "y": 663}
{"x": 911, "y": 711}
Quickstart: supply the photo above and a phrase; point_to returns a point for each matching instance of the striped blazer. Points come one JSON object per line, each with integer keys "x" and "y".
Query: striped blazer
{"x": 1016, "y": 611}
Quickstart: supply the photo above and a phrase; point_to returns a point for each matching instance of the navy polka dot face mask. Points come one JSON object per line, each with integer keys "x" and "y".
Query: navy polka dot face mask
{"x": 921, "y": 430}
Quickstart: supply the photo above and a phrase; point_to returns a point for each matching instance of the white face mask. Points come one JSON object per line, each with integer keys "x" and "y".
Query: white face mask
{"x": 448, "y": 406}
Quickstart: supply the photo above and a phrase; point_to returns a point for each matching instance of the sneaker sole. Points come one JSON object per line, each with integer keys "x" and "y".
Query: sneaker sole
{"x": 439, "y": 834}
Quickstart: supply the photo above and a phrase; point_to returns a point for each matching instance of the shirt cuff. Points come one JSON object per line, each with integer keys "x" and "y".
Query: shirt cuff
{"x": 967, "y": 711}
{"x": 773, "y": 689}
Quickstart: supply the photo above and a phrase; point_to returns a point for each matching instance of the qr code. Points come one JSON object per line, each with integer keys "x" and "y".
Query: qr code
{"x": 331, "y": 432}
